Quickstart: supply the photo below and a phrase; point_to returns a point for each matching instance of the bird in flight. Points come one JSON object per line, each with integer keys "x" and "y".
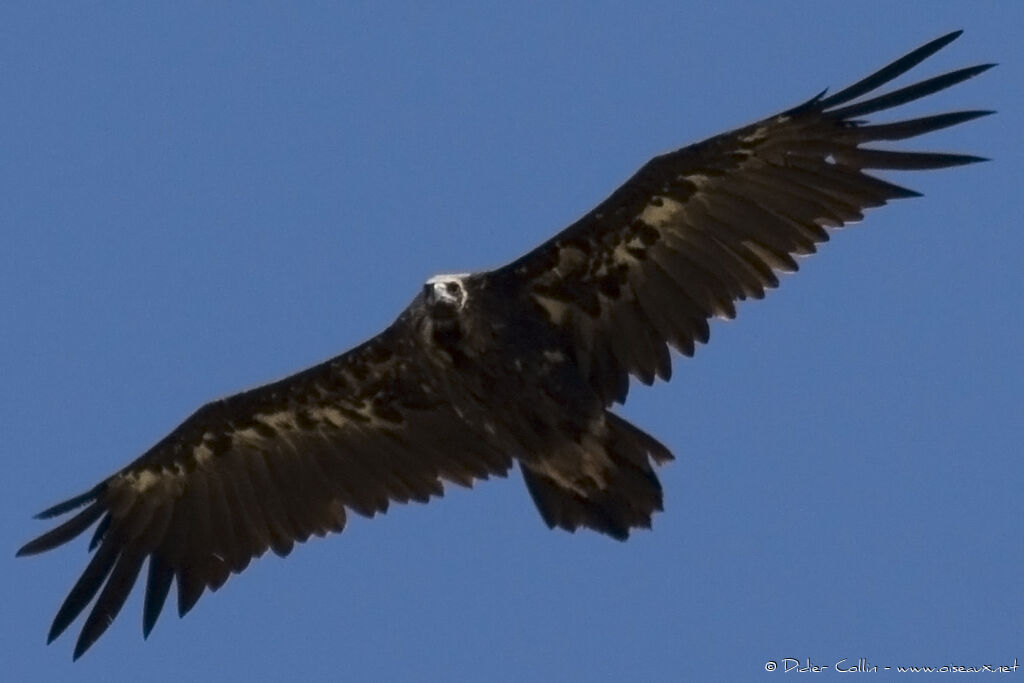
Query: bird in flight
{"x": 521, "y": 363}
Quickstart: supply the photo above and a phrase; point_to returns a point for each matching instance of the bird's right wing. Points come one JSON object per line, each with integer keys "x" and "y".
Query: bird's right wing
{"x": 263, "y": 469}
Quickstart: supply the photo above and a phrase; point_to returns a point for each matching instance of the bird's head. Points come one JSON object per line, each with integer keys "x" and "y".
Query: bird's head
{"x": 440, "y": 311}
{"x": 445, "y": 295}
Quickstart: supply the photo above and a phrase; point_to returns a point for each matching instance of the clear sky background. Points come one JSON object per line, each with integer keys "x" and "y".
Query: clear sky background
{"x": 202, "y": 197}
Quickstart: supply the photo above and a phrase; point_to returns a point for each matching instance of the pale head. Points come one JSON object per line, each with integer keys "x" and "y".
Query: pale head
{"x": 447, "y": 290}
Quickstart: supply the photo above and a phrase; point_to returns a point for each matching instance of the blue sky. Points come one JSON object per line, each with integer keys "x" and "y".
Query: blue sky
{"x": 205, "y": 197}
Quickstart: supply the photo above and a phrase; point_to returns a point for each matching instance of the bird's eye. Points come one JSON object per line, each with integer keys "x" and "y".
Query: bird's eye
{"x": 452, "y": 287}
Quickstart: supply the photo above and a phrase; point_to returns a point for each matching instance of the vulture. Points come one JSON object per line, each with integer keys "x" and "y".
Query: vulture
{"x": 523, "y": 363}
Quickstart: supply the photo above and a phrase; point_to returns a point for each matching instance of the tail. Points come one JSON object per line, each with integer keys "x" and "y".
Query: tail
{"x": 605, "y": 483}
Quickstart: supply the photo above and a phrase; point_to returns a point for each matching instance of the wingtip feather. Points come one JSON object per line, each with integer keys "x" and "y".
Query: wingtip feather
{"x": 80, "y": 648}
{"x": 70, "y": 504}
{"x": 62, "y": 533}
{"x": 890, "y": 71}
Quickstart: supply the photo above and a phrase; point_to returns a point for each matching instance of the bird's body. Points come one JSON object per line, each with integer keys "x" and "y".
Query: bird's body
{"x": 519, "y": 364}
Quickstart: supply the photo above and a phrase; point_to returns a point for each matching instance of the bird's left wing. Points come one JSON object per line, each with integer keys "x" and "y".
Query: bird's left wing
{"x": 263, "y": 469}
{"x": 699, "y": 228}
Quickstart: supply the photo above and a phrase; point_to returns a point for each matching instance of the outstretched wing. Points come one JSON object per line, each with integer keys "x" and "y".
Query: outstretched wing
{"x": 697, "y": 229}
{"x": 263, "y": 469}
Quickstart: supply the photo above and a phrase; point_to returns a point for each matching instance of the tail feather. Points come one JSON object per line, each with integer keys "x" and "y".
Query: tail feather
{"x": 627, "y": 496}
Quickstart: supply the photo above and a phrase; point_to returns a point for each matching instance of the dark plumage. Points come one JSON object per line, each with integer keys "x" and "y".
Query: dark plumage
{"x": 520, "y": 364}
